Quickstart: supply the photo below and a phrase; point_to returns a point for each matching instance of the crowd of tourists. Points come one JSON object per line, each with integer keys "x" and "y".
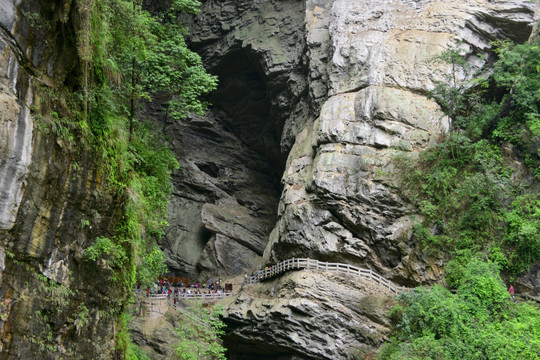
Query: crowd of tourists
{"x": 180, "y": 290}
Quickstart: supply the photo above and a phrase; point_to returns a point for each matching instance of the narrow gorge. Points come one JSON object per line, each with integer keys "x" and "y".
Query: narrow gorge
{"x": 296, "y": 156}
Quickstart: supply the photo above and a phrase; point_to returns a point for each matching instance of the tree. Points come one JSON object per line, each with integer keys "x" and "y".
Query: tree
{"x": 450, "y": 93}
{"x": 129, "y": 54}
{"x": 151, "y": 52}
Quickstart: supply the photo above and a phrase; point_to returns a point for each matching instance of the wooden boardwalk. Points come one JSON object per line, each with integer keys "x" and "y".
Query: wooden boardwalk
{"x": 312, "y": 264}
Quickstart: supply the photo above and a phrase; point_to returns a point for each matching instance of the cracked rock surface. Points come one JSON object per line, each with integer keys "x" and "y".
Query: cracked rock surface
{"x": 317, "y": 98}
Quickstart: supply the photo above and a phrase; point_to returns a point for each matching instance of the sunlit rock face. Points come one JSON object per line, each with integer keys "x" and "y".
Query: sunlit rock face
{"x": 339, "y": 198}
{"x": 321, "y": 96}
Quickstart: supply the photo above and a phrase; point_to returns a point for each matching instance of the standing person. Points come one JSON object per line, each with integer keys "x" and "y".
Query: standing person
{"x": 511, "y": 291}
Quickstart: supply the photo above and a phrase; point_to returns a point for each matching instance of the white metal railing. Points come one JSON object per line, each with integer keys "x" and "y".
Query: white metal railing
{"x": 312, "y": 264}
{"x": 203, "y": 296}
{"x": 187, "y": 296}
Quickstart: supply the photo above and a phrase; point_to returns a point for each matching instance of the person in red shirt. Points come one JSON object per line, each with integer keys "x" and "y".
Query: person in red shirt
{"x": 511, "y": 291}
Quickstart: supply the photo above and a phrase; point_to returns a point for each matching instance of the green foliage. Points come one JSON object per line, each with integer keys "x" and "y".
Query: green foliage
{"x": 145, "y": 54}
{"x": 450, "y": 93}
{"x": 459, "y": 187}
{"x": 129, "y": 54}
{"x": 134, "y": 352}
{"x": 82, "y": 318}
{"x": 104, "y": 248}
{"x": 510, "y": 110}
{"x": 462, "y": 187}
{"x": 171, "y": 67}
{"x": 152, "y": 266}
{"x": 122, "y": 336}
{"x": 522, "y": 233}
{"x": 479, "y": 322}
{"x": 200, "y": 334}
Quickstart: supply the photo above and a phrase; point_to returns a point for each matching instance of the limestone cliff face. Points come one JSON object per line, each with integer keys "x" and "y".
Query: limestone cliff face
{"x": 320, "y": 95}
{"x": 227, "y": 191}
{"x": 52, "y": 201}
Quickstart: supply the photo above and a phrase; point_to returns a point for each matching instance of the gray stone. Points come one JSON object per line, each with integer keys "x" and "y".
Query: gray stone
{"x": 313, "y": 315}
{"x": 327, "y": 94}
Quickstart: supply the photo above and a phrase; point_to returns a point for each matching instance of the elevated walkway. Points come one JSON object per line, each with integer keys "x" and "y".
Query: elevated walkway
{"x": 312, "y": 264}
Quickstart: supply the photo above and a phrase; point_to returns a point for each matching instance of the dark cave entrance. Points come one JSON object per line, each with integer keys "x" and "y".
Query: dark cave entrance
{"x": 246, "y": 96}
{"x": 236, "y": 149}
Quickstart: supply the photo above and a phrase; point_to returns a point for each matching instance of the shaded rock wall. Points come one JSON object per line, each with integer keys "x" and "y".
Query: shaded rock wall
{"x": 227, "y": 190}
{"x": 52, "y": 200}
{"x": 224, "y": 202}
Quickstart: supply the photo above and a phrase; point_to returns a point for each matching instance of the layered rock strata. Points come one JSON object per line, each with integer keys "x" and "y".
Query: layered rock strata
{"x": 53, "y": 305}
{"x": 227, "y": 190}
{"x": 339, "y": 88}
{"x": 308, "y": 315}
{"x": 346, "y": 87}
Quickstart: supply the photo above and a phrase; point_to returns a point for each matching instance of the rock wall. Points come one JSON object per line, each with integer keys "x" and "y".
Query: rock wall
{"x": 325, "y": 93}
{"x": 320, "y": 95}
{"x": 338, "y": 182}
{"x": 53, "y": 204}
{"x": 227, "y": 190}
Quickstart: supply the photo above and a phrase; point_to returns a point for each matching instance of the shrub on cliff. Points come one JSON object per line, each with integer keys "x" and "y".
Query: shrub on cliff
{"x": 463, "y": 186}
{"x": 479, "y": 321}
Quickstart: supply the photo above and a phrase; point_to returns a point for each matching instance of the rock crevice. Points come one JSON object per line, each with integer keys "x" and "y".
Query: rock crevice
{"x": 326, "y": 94}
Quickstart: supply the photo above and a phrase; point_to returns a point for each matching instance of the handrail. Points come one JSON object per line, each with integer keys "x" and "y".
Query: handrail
{"x": 313, "y": 264}
{"x": 203, "y": 296}
{"x": 189, "y": 296}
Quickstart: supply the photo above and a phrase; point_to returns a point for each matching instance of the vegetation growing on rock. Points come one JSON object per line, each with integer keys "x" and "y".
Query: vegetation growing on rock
{"x": 479, "y": 321}
{"x": 478, "y": 215}
{"x": 126, "y": 54}
{"x": 129, "y": 54}
{"x": 464, "y": 188}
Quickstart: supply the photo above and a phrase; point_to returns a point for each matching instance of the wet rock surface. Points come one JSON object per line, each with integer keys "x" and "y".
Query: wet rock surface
{"x": 53, "y": 203}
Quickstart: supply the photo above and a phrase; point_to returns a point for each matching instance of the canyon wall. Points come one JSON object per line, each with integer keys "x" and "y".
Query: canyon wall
{"x": 53, "y": 204}
{"x": 316, "y": 99}
{"x": 294, "y": 159}
{"x": 321, "y": 96}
